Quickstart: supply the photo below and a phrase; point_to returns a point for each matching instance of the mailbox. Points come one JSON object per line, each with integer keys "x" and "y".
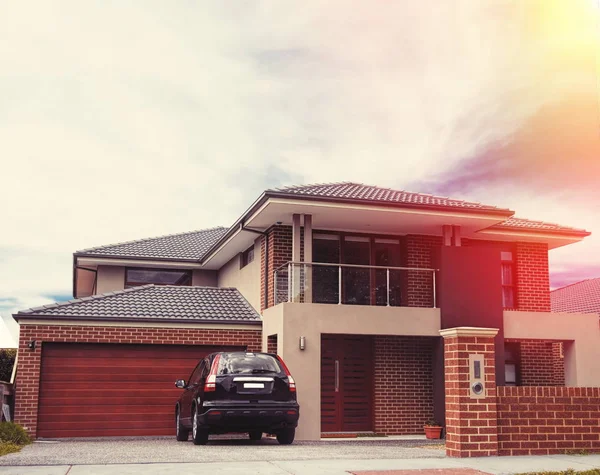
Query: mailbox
{"x": 477, "y": 377}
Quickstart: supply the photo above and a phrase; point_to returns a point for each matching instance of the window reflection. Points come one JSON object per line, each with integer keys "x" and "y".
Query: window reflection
{"x": 136, "y": 277}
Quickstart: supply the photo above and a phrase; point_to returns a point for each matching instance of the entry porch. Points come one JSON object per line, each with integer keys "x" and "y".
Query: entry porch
{"x": 358, "y": 368}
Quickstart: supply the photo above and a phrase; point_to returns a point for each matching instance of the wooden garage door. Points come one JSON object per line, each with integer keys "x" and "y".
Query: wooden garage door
{"x": 93, "y": 390}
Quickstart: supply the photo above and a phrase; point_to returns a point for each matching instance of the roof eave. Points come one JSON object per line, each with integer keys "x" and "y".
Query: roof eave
{"x": 234, "y": 228}
{"x": 489, "y": 211}
{"x": 134, "y": 258}
{"x": 505, "y": 213}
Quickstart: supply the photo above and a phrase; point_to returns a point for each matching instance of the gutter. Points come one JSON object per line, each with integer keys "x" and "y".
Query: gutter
{"x": 552, "y": 232}
{"x": 73, "y": 318}
{"x": 135, "y": 258}
{"x": 74, "y": 274}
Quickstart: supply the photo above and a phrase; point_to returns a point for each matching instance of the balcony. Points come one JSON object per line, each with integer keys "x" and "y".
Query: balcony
{"x": 349, "y": 284}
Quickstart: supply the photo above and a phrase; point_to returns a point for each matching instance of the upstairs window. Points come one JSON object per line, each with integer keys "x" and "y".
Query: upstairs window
{"x": 136, "y": 277}
{"x": 247, "y": 257}
{"x": 508, "y": 280}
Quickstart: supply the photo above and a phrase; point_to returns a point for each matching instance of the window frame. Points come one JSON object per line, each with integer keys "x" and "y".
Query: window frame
{"x": 196, "y": 376}
{"x": 514, "y": 348}
{"x": 247, "y": 257}
{"x": 128, "y": 284}
{"x": 513, "y": 285}
{"x": 341, "y": 237}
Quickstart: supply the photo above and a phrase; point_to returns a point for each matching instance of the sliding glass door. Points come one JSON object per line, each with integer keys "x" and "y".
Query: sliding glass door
{"x": 356, "y": 282}
{"x": 360, "y": 285}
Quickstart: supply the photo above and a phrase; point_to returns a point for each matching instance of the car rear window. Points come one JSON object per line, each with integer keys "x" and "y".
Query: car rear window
{"x": 248, "y": 363}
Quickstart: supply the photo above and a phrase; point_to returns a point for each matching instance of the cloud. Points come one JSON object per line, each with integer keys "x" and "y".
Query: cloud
{"x": 60, "y": 297}
{"x": 132, "y": 119}
{"x": 556, "y": 149}
{"x": 566, "y": 276}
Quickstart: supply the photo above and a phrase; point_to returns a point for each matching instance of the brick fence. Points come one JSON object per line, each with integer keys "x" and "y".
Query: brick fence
{"x": 471, "y": 425}
{"x": 548, "y": 420}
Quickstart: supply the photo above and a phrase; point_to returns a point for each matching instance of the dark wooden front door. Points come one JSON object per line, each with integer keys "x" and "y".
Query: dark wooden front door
{"x": 346, "y": 383}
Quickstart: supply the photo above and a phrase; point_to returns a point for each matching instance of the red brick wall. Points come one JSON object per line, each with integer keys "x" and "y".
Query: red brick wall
{"x": 403, "y": 398}
{"x": 471, "y": 429}
{"x": 531, "y": 262}
{"x": 280, "y": 252}
{"x": 531, "y": 267}
{"x": 533, "y": 279}
{"x": 539, "y": 421}
{"x": 541, "y": 363}
{"x": 419, "y": 251}
{"x": 28, "y": 375}
{"x": 272, "y": 344}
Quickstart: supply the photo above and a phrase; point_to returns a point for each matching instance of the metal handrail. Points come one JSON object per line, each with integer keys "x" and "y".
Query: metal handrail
{"x": 287, "y": 264}
{"x": 291, "y": 264}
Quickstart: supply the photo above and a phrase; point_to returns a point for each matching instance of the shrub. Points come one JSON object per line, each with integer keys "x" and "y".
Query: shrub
{"x": 13, "y": 433}
{"x": 8, "y": 448}
{"x": 432, "y": 423}
{"x": 7, "y": 361}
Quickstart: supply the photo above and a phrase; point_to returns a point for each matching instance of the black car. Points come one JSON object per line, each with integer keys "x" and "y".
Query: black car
{"x": 238, "y": 392}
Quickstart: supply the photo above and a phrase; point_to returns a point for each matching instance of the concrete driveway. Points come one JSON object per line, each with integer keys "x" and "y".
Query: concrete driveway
{"x": 226, "y": 449}
{"x": 154, "y": 456}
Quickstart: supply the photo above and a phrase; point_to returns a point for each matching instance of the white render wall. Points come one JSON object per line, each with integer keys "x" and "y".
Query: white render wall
{"x": 246, "y": 280}
{"x": 580, "y": 331}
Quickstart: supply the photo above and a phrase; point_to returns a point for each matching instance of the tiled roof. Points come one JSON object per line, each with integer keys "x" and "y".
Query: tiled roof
{"x": 184, "y": 246}
{"x": 357, "y": 191}
{"x": 530, "y": 225}
{"x": 153, "y": 302}
{"x": 582, "y": 297}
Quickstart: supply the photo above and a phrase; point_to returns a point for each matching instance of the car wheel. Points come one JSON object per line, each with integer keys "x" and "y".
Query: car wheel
{"x": 286, "y": 436}
{"x": 255, "y": 435}
{"x": 181, "y": 433}
{"x": 199, "y": 434}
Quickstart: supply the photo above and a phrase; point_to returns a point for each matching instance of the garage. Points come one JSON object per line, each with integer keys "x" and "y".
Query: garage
{"x": 106, "y": 365}
{"x": 93, "y": 390}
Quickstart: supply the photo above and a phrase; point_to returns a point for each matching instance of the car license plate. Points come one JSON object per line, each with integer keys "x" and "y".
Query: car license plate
{"x": 254, "y": 385}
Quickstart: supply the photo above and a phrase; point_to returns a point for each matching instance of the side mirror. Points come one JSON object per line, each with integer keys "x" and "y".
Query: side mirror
{"x": 180, "y": 383}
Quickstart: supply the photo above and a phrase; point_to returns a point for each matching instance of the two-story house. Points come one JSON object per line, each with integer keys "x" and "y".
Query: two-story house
{"x": 350, "y": 284}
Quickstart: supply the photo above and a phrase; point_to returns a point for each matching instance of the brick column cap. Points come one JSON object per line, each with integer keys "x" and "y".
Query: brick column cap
{"x": 468, "y": 331}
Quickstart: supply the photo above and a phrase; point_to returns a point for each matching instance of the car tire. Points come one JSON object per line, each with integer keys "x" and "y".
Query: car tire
{"x": 199, "y": 434}
{"x": 286, "y": 436}
{"x": 181, "y": 433}
{"x": 255, "y": 435}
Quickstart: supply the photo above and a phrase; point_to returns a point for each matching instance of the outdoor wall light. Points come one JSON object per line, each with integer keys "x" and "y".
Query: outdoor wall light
{"x": 302, "y": 342}
{"x": 31, "y": 345}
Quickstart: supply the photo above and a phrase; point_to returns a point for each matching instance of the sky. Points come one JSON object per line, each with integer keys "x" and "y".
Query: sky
{"x": 121, "y": 120}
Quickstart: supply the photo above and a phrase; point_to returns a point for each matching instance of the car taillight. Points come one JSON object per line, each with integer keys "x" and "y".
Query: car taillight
{"x": 211, "y": 381}
{"x": 291, "y": 382}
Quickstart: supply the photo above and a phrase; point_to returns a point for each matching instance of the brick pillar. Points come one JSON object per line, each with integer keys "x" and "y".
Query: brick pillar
{"x": 471, "y": 419}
